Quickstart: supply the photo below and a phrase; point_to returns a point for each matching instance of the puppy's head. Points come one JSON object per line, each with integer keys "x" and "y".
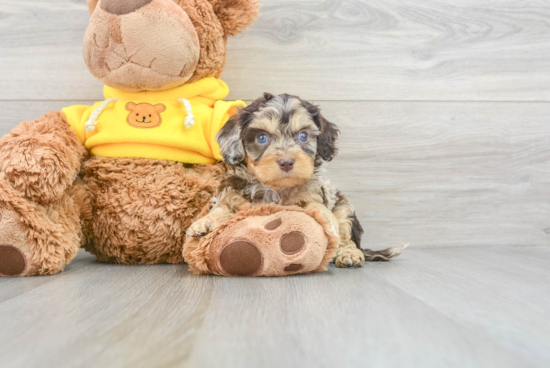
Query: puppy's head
{"x": 281, "y": 139}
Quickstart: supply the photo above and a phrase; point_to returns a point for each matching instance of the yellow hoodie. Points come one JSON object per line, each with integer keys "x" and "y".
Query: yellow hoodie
{"x": 179, "y": 124}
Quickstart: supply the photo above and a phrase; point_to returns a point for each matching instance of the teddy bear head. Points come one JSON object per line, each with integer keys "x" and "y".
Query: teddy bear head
{"x": 140, "y": 45}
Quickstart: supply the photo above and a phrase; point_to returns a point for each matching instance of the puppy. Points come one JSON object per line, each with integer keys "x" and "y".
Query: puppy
{"x": 276, "y": 147}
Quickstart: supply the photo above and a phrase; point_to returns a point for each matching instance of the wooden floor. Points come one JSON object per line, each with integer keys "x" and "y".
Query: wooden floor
{"x": 444, "y": 109}
{"x": 447, "y": 307}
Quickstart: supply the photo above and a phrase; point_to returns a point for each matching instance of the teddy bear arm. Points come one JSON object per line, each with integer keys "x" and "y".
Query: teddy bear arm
{"x": 40, "y": 158}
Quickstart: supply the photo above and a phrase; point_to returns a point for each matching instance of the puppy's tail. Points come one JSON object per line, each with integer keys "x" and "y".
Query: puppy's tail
{"x": 383, "y": 255}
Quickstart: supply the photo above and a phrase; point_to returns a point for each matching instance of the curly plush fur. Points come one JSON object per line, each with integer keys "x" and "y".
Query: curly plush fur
{"x": 214, "y": 21}
{"x": 235, "y": 15}
{"x": 40, "y": 158}
{"x": 146, "y": 202}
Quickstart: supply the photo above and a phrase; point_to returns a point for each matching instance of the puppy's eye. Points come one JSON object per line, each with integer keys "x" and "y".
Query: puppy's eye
{"x": 303, "y": 136}
{"x": 137, "y": 114}
{"x": 262, "y": 139}
{"x": 149, "y": 115}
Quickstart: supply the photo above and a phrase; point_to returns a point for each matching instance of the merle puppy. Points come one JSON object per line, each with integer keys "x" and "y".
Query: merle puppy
{"x": 276, "y": 147}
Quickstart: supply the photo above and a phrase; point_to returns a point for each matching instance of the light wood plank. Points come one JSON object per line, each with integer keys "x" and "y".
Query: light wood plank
{"x": 19, "y": 111}
{"x": 446, "y": 174}
{"x": 396, "y": 50}
{"x": 41, "y": 47}
{"x": 17, "y": 286}
{"x": 449, "y": 307}
{"x": 324, "y": 50}
{"x": 431, "y": 174}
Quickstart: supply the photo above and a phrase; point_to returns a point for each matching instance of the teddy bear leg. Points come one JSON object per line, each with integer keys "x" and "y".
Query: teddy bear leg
{"x": 278, "y": 241}
{"x": 143, "y": 207}
{"x": 38, "y": 239}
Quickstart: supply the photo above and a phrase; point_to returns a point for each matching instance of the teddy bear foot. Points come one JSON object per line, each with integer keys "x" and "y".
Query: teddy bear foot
{"x": 264, "y": 241}
{"x": 14, "y": 247}
{"x": 37, "y": 239}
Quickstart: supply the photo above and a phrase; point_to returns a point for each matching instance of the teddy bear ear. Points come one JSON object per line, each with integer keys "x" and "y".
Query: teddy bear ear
{"x": 160, "y": 108}
{"x": 236, "y": 15}
{"x": 92, "y": 5}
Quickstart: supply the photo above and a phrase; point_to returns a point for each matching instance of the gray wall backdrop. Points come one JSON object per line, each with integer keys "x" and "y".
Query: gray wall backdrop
{"x": 443, "y": 106}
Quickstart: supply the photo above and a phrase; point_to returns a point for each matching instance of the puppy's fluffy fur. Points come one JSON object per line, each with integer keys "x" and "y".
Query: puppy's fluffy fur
{"x": 276, "y": 147}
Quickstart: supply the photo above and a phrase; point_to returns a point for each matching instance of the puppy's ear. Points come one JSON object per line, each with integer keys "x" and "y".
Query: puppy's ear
{"x": 230, "y": 136}
{"x": 236, "y": 15}
{"x": 326, "y": 141}
{"x": 229, "y": 139}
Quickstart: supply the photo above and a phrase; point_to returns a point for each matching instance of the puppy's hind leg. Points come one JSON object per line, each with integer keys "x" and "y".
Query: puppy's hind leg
{"x": 350, "y": 253}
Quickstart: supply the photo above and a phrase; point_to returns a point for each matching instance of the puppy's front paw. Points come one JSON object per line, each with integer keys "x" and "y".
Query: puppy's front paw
{"x": 202, "y": 227}
{"x": 349, "y": 257}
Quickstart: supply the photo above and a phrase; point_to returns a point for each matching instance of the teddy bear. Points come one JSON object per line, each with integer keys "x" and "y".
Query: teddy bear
{"x": 125, "y": 177}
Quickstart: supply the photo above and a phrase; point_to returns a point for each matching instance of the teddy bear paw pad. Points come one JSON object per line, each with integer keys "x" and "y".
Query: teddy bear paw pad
{"x": 295, "y": 267}
{"x": 12, "y": 261}
{"x": 14, "y": 245}
{"x": 292, "y": 243}
{"x": 272, "y": 225}
{"x": 241, "y": 258}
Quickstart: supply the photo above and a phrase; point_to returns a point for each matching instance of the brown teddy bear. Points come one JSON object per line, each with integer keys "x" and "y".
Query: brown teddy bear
{"x": 126, "y": 177}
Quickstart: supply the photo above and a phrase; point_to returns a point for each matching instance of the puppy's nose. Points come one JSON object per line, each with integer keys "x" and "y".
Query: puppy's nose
{"x": 121, "y": 7}
{"x": 286, "y": 164}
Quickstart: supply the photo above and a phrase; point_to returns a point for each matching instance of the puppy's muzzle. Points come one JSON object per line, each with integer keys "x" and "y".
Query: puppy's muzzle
{"x": 286, "y": 164}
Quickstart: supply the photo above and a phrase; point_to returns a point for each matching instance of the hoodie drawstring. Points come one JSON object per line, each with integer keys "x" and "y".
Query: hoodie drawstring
{"x": 190, "y": 118}
{"x": 92, "y": 121}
